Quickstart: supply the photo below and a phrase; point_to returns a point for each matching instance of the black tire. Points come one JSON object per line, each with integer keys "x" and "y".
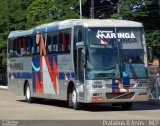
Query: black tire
{"x": 127, "y": 106}
{"x": 29, "y": 99}
{"x": 70, "y": 104}
{"x": 72, "y": 100}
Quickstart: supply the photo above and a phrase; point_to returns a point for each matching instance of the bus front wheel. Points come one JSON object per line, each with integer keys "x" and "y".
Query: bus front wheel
{"x": 29, "y": 99}
{"x": 73, "y": 99}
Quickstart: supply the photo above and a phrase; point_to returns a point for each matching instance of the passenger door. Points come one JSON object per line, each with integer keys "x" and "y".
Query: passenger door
{"x": 81, "y": 63}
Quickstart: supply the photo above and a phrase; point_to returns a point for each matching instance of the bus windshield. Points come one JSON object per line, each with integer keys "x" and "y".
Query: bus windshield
{"x": 115, "y": 53}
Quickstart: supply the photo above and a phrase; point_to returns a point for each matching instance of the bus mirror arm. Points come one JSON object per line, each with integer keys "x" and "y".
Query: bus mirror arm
{"x": 84, "y": 63}
{"x": 150, "y": 54}
{"x": 83, "y": 58}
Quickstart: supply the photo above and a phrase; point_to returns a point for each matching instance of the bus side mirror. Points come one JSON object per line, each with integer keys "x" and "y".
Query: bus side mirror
{"x": 150, "y": 54}
{"x": 83, "y": 57}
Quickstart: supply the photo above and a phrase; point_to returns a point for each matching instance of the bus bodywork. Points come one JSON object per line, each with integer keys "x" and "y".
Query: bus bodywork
{"x": 81, "y": 61}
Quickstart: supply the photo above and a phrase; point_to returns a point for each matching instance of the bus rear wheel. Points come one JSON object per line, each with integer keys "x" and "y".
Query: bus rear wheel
{"x": 73, "y": 99}
{"x": 29, "y": 99}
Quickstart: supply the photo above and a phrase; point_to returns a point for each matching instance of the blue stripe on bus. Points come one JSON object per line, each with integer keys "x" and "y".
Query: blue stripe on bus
{"x": 26, "y": 75}
{"x": 70, "y": 76}
{"x": 18, "y": 75}
{"x": 47, "y": 29}
{"x": 42, "y": 30}
{"x": 54, "y": 28}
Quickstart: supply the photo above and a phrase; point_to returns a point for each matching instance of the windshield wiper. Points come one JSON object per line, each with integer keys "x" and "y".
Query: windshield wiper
{"x": 123, "y": 68}
{"x": 133, "y": 71}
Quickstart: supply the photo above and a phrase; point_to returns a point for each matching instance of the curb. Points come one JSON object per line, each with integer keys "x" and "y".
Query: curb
{"x": 4, "y": 87}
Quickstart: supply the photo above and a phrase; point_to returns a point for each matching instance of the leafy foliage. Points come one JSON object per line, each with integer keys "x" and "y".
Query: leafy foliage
{"x": 25, "y": 14}
{"x": 153, "y": 38}
{"x": 130, "y": 10}
{"x": 13, "y": 17}
{"x": 145, "y": 11}
{"x": 66, "y": 9}
{"x": 40, "y": 12}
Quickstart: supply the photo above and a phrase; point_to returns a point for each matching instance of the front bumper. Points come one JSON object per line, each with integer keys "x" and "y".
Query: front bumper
{"x": 93, "y": 96}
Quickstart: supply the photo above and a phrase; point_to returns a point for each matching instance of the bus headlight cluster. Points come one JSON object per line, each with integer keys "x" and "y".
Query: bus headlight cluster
{"x": 108, "y": 85}
{"x": 89, "y": 86}
{"x": 142, "y": 85}
{"x": 139, "y": 85}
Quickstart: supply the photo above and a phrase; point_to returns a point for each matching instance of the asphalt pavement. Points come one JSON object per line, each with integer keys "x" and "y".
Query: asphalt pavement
{"x": 13, "y": 107}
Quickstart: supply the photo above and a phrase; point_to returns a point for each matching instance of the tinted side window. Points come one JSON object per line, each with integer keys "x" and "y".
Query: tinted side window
{"x": 30, "y": 47}
{"x": 78, "y": 34}
{"x": 59, "y": 41}
{"x": 52, "y": 42}
{"x": 22, "y": 46}
{"x": 12, "y": 50}
{"x": 78, "y": 37}
{"x": 65, "y": 41}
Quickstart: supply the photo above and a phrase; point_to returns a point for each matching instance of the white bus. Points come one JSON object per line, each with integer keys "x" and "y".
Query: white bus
{"x": 80, "y": 61}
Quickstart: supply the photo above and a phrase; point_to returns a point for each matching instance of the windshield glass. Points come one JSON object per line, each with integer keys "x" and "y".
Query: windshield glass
{"x": 102, "y": 55}
{"x": 102, "y": 62}
{"x": 115, "y": 53}
{"x": 131, "y": 53}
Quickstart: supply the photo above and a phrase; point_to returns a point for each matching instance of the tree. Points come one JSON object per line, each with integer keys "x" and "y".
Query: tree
{"x": 13, "y": 17}
{"x": 153, "y": 38}
{"x": 39, "y": 12}
{"x": 20, "y": 14}
{"x": 45, "y": 11}
{"x": 130, "y": 10}
{"x": 67, "y": 9}
{"x": 145, "y": 11}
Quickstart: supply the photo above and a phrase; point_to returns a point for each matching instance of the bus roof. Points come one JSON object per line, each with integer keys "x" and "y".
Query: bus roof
{"x": 19, "y": 33}
{"x": 74, "y": 22}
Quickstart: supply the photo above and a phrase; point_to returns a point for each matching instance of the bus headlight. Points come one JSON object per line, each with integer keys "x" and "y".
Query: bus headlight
{"x": 140, "y": 85}
{"x": 89, "y": 86}
{"x": 142, "y": 93}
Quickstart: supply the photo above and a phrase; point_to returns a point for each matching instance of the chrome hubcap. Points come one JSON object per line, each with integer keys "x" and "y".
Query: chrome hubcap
{"x": 74, "y": 96}
{"x": 28, "y": 92}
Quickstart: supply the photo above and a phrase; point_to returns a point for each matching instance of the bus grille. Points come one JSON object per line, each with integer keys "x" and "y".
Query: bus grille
{"x": 129, "y": 86}
{"x": 125, "y": 86}
{"x": 120, "y": 95}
